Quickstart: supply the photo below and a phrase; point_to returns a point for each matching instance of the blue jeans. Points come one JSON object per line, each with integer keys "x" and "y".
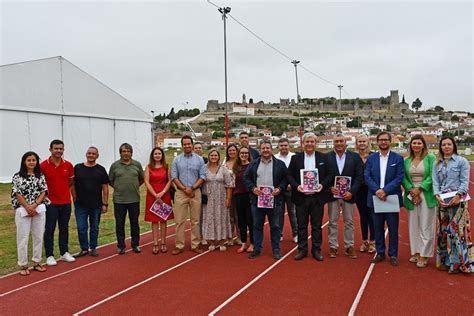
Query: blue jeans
{"x": 60, "y": 213}
{"x": 273, "y": 215}
{"x": 83, "y": 215}
{"x": 392, "y": 224}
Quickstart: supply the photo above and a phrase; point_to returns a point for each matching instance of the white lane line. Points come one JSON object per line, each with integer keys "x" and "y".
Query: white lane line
{"x": 145, "y": 281}
{"x": 138, "y": 284}
{"x": 363, "y": 286}
{"x": 236, "y": 294}
{"x": 75, "y": 269}
{"x": 101, "y": 246}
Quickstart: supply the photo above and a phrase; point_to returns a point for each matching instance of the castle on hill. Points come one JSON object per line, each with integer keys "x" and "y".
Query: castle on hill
{"x": 377, "y": 108}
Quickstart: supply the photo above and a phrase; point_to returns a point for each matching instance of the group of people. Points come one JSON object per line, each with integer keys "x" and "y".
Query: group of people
{"x": 228, "y": 200}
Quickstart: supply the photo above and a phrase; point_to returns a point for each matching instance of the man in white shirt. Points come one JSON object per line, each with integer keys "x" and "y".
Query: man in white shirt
{"x": 285, "y": 155}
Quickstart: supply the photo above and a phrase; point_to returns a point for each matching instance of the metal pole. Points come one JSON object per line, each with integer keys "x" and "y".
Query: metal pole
{"x": 295, "y": 63}
{"x": 224, "y": 11}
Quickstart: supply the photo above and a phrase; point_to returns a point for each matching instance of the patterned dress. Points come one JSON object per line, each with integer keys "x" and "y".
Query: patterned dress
{"x": 216, "y": 216}
{"x": 455, "y": 249}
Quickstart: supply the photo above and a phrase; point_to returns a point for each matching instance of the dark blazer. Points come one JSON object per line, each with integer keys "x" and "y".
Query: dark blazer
{"x": 393, "y": 176}
{"x": 294, "y": 178}
{"x": 255, "y": 154}
{"x": 352, "y": 168}
{"x": 279, "y": 177}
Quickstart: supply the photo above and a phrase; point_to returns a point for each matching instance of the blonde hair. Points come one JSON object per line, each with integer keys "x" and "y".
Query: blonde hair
{"x": 369, "y": 144}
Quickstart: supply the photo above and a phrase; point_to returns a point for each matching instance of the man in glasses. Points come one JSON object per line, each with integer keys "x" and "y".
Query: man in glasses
{"x": 383, "y": 175}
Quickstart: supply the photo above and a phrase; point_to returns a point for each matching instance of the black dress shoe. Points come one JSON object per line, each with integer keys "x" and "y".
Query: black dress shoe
{"x": 277, "y": 255}
{"x": 136, "y": 249}
{"x": 121, "y": 251}
{"x": 317, "y": 256}
{"x": 81, "y": 254}
{"x": 394, "y": 261}
{"x": 378, "y": 258}
{"x": 254, "y": 255}
{"x": 300, "y": 256}
{"x": 93, "y": 253}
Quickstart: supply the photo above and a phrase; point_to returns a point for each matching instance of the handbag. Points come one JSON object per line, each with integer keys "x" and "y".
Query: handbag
{"x": 204, "y": 198}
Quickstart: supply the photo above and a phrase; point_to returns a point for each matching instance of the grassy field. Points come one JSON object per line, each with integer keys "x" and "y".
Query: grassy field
{"x": 8, "y": 255}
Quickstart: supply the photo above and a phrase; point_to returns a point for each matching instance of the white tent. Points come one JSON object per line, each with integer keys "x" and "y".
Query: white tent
{"x": 50, "y": 99}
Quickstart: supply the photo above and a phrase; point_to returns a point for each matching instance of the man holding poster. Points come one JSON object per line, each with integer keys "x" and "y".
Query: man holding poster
{"x": 348, "y": 177}
{"x": 309, "y": 193}
{"x": 384, "y": 174}
{"x": 265, "y": 177}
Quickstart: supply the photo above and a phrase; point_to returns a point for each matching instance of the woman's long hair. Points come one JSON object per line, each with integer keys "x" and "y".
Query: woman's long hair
{"x": 238, "y": 163}
{"x": 151, "y": 163}
{"x": 440, "y": 151}
{"x": 425, "y": 148}
{"x": 24, "y": 171}
{"x": 209, "y": 154}
{"x": 227, "y": 158}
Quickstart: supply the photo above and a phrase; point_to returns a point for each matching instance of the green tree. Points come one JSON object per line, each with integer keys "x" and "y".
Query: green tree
{"x": 454, "y": 118}
{"x": 374, "y": 131}
{"x": 353, "y": 123}
{"x": 439, "y": 108}
{"x": 416, "y": 105}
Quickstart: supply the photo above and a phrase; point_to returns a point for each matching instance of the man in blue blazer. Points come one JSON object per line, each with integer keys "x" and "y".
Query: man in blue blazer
{"x": 383, "y": 174}
{"x": 266, "y": 171}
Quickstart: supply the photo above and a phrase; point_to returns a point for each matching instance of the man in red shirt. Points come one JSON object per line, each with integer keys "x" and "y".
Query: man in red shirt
{"x": 59, "y": 174}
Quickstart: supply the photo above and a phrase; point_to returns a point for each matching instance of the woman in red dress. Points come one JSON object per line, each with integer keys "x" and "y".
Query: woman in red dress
{"x": 158, "y": 183}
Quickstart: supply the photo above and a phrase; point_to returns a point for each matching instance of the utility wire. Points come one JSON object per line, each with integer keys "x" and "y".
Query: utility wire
{"x": 274, "y": 48}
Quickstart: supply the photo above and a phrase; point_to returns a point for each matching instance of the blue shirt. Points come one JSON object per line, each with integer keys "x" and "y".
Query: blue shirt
{"x": 188, "y": 169}
{"x": 451, "y": 177}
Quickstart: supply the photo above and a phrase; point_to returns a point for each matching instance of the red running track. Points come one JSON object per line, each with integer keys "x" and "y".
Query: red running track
{"x": 198, "y": 284}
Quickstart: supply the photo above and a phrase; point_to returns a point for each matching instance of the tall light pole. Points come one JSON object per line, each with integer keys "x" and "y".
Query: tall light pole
{"x": 295, "y": 63}
{"x": 153, "y": 129}
{"x": 340, "y": 88}
{"x": 224, "y": 11}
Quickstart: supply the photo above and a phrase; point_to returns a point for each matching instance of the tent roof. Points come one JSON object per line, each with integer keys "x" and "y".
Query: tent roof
{"x": 56, "y": 86}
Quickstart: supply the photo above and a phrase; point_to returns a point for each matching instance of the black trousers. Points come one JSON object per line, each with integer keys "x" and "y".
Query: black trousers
{"x": 120, "y": 213}
{"x": 244, "y": 216}
{"x": 310, "y": 209}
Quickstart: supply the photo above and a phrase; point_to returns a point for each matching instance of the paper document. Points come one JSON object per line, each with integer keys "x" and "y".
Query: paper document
{"x": 390, "y": 205}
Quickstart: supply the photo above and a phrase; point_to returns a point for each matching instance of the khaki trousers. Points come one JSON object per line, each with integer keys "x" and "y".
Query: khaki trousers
{"x": 348, "y": 217}
{"x": 183, "y": 204}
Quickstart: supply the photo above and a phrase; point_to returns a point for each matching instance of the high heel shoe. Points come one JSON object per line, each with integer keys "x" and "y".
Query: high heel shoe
{"x": 250, "y": 249}
{"x": 163, "y": 248}
{"x": 241, "y": 249}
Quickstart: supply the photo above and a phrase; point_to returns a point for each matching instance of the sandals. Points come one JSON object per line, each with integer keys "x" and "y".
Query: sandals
{"x": 38, "y": 267}
{"x": 24, "y": 271}
{"x": 422, "y": 262}
{"x": 250, "y": 249}
{"x": 242, "y": 249}
{"x": 163, "y": 248}
{"x": 156, "y": 250}
{"x": 414, "y": 258}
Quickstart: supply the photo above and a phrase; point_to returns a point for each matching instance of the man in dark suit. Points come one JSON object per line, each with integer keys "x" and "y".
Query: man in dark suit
{"x": 347, "y": 164}
{"x": 309, "y": 205}
{"x": 266, "y": 171}
{"x": 383, "y": 174}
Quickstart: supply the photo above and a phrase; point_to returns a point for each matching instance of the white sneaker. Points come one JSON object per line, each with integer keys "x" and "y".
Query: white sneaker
{"x": 50, "y": 261}
{"x": 281, "y": 238}
{"x": 203, "y": 242}
{"x": 295, "y": 239}
{"x": 67, "y": 257}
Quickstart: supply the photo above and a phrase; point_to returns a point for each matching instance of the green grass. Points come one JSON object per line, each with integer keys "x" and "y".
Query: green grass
{"x": 8, "y": 254}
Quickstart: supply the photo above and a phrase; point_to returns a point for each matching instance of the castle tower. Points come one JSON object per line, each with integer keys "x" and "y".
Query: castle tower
{"x": 394, "y": 98}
